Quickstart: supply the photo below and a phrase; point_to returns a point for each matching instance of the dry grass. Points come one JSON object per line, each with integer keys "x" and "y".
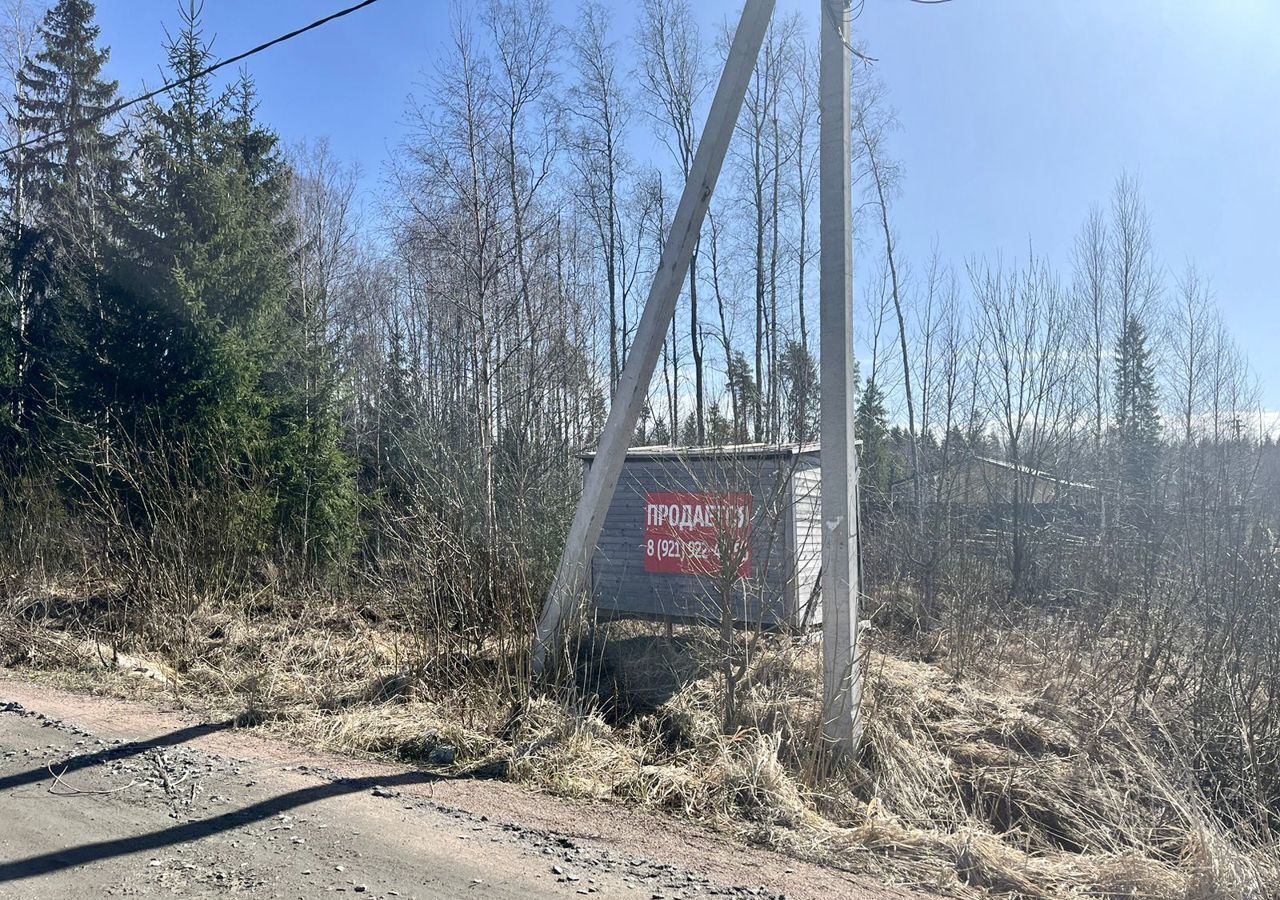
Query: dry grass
{"x": 971, "y": 789}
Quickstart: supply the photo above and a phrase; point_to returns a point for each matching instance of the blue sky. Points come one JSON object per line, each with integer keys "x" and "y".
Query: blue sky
{"x": 1016, "y": 115}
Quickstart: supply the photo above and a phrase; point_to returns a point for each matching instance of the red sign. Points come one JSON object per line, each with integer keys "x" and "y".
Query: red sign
{"x": 687, "y": 534}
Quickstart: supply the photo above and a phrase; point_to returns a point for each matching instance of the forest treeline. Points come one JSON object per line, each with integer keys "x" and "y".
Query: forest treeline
{"x": 221, "y": 373}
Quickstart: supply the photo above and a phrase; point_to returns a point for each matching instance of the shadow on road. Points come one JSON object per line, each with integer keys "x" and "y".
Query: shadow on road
{"x": 103, "y": 754}
{"x": 85, "y": 854}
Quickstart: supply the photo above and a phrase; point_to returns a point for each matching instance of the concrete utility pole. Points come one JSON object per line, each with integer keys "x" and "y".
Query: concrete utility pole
{"x": 628, "y": 401}
{"x": 842, "y": 687}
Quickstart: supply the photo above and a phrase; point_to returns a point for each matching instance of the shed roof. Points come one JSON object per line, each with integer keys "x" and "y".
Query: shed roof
{"x": 762, "y": 451}
{"x": 1034, "y": 473}
{"x": 1008, "y": 466}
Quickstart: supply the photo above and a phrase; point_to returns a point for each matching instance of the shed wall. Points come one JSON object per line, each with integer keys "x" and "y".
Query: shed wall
{"x": 771, "y": 595}
{"x": 807, "y": 490}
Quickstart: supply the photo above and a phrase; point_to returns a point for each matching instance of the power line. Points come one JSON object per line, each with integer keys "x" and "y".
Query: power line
{"x": 142, "y": 98}
{"x": 835, "y": 23}
{"x": 856, "y": 12}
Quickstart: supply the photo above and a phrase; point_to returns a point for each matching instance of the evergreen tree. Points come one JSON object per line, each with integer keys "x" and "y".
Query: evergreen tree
{"x": 206, "y": 337}
{"x": 745, "y": 394}
{"x": 201, "y": 300}
{"x": 9, "y": 410}
{"x": 689, "y": 431}
{"x": 719, "y": 428}
{"x": 69, "y": 176}
{"x": 315, "y": 479}
{"x": 660, "y": 434}
{"x": 801, "y": 406}
{"x": 1137, "y": 412}
{"x": 871, "y": 425}
{"x": 60, "y": 191}
{"x": 395, "y": 476}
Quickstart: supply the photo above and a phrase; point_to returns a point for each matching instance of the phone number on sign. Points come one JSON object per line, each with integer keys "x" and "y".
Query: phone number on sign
{"x": 674, "y": 548}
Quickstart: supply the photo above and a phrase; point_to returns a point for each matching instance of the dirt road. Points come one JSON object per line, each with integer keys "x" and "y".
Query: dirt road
{"x": 108, "y": 798}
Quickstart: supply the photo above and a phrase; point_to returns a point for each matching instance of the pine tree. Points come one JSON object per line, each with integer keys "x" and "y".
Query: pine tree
{"x": 314, "y": 478}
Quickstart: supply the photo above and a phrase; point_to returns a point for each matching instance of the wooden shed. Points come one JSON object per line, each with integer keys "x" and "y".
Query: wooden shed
{"x": 692, "y": 530}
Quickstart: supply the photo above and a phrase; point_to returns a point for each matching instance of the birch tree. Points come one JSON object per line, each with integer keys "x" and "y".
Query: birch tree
{"x": 672, "y": 78}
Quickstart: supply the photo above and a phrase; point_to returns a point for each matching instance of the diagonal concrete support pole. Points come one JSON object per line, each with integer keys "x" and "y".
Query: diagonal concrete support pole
{"x": 842, "y": 688}
{"x": 628, "y": 401}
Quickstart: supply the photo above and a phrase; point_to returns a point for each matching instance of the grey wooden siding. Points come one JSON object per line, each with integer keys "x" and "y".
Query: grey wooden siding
{"x": 807, "y": 489}
{"x": 780, "y": 581}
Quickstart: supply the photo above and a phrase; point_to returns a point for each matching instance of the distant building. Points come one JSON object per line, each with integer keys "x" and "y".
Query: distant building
{"x": 976, "y": 494}
{"x": 983, "y": 481}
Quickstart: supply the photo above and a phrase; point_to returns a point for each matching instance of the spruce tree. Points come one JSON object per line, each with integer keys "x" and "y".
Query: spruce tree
{"x": 176, "y": 351}
{"x": 744, "y": 393}
{"x": 225, "y": 359}
{"x": 1137, "y": 412}
{"x": 9, "y": 410}
{"x": 69, "y": 176}
{"x": 61, "y": 189}
{"x": 395, "y": 476}
{"x": 201, "y": 293}
{"x": 871, "y": 425}
{"x": 799, "y": 374}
